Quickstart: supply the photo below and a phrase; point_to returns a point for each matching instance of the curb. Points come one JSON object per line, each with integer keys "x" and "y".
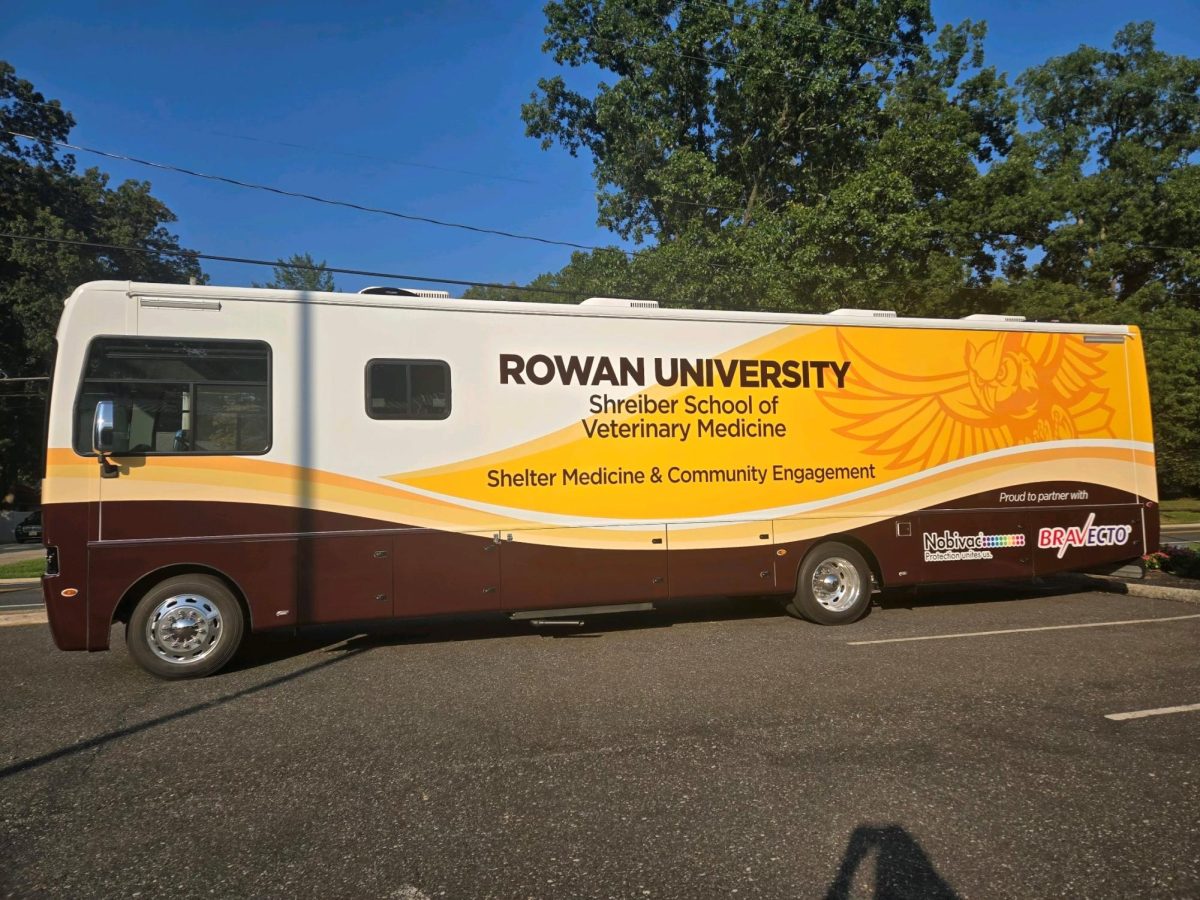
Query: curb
{"x": 1167, "y": 529}
{"x": 1117, "y": 586}
{"x": 14, "y": 583}
{"x": 22, "y": 617}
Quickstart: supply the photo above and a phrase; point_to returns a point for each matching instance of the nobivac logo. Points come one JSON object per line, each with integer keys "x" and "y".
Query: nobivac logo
{"x": 950, "y": 546}
{"x": 1090, "y": 535}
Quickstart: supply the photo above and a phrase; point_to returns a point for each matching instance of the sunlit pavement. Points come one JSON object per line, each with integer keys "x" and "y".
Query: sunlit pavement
{"x": 696, "y": 752}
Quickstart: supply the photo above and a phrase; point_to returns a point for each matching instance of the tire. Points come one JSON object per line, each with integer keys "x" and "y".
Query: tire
{"x": 188, "y": 626}
{"x": 834, "y": 586}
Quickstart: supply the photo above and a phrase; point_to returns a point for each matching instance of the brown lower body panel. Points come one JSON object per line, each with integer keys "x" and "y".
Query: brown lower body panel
{"x": 296, "y": 567}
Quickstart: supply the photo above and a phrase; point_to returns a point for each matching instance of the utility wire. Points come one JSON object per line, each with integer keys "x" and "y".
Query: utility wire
{"x": 193, "y": 254}
{"x": 303, "y": 196}
{"x": 383, "y": 159}
{"x": 242, "y": 137}
{"x": 428, "y": 279}
{"x": 399, "y": 215}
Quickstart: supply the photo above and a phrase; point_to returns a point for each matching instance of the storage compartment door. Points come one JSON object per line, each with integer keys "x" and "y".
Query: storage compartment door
{"x": 344, "y": 578}
{"x": 545, "y": 568}
{"x": 725, "y": 559}
{"x": 443, "y": 572}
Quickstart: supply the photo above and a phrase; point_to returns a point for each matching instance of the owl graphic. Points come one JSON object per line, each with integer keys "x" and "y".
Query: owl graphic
{"x": 996, "y": 391}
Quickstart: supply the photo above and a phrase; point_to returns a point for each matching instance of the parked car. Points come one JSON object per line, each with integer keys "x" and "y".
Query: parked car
{"x": 30, "y": 529}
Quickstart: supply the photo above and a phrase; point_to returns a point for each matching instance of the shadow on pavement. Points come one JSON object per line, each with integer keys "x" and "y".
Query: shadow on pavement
{"x": 973, "y": 592}
{"x": 902, "y": 868}
{"x": 348, "y": 641}
{"x": 268, "y": 647}
{"x": 345, "y": 652}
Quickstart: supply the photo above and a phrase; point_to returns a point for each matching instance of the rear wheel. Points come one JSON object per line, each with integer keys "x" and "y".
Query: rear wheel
{"x": 188, "y": 626}
{"x": 834, "y": 587}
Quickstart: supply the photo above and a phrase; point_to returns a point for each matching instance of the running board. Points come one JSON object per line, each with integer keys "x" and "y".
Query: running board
{"x": 542, "y": 615}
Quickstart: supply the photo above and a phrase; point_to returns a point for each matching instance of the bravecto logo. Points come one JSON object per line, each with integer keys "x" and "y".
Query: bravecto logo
{"x": 1090, "y": 535}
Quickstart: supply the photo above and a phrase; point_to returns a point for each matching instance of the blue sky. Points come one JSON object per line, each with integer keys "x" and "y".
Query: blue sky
{"x": 409, "y": 106}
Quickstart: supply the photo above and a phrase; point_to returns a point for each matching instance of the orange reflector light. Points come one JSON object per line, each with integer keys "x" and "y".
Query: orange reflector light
{"x": 69, "y": 592}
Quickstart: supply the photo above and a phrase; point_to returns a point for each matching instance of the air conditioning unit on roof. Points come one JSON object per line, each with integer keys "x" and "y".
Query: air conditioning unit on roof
{"x": 406, "y": 292}
{"x": 866, "y": 313}
{"x": 620, "y": 302}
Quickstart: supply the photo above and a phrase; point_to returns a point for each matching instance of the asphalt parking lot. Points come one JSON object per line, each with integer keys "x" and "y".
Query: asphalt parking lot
{"x": 714, "y": 750}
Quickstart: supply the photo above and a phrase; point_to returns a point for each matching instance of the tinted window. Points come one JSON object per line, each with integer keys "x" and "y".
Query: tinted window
{"x": 408, "y": 389}
{"x": 176, "y": 396}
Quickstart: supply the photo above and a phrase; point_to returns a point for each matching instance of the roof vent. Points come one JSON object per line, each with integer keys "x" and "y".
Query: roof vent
{"x": 406, "y": 292}
{"x": 866, "y": 313}
{"x": 992, "y": 317}
{"x": 620, "y": 302}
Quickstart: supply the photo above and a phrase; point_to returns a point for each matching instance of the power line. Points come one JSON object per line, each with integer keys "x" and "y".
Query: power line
{"x": 383, "y": 159}
{"x": 434, "y": 280}
{"x": 371, "y": 209}
{"x": 242, "y": 137}
{"x": 313, "y": 197}
{"x": 671, "y": 198}
{"x": 193, "y": 254}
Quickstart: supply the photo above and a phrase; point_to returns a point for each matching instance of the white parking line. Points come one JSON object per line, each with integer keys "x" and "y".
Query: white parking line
{"x": 1162, "y": 711}
{"x": 967, "y": 634}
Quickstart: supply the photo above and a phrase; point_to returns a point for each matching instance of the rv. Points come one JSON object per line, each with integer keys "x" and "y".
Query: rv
{"x": 229, "y": 459}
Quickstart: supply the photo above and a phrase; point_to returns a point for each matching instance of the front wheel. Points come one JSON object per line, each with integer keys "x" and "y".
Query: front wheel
{"x": 834, "y": 587}
{"x": 188, "y": 626}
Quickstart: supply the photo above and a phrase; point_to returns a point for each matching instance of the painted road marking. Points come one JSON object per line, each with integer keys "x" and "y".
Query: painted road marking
{"x": 1162, "y": 711}
{"x": 23, "y": 606}
{"x": 967, "y": 634}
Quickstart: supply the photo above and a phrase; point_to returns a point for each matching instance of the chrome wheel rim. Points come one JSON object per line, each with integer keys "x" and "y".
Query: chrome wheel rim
{"x": 836, "y": 584}
{"x": 184, "y": 629}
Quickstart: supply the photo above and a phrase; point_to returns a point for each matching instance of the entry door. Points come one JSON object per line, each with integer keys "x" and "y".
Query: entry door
{"x": 440, "y": 572}
{"x": 546, "y": 568}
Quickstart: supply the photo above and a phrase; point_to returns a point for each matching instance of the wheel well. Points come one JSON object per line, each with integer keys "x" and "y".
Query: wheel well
{"x": 851, "y": 541}
{"x": 138, "y": 589}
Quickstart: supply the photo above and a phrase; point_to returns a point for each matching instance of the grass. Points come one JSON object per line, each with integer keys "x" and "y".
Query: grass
{"x": 1183, "y": 511}
{"x": 26, "y": 568}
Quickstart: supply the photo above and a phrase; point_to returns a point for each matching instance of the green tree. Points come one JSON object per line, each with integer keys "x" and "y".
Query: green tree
{"x": 1107, "y": 189}
{"x": 300, "y": 272}
{"x": 816, "y": 155}
{"x": 42, "y": 194}
{"x": 1101, "y": 196}
{"x": 781, "y": 154}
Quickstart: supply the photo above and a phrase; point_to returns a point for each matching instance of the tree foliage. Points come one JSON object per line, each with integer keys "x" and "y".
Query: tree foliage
{"x": 300, "y": 272}
{"x": 43, "y": 194}
{"x": 807, "y": 156}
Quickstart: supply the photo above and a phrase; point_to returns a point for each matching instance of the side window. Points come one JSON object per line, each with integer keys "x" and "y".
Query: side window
{"x": 178, "y": 396}
{"x": 408, "y": 389}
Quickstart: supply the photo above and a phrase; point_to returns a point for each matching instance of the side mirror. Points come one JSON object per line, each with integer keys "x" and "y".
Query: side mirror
{"x": 107, "y": 437}
{"x": 102, "y": 428}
